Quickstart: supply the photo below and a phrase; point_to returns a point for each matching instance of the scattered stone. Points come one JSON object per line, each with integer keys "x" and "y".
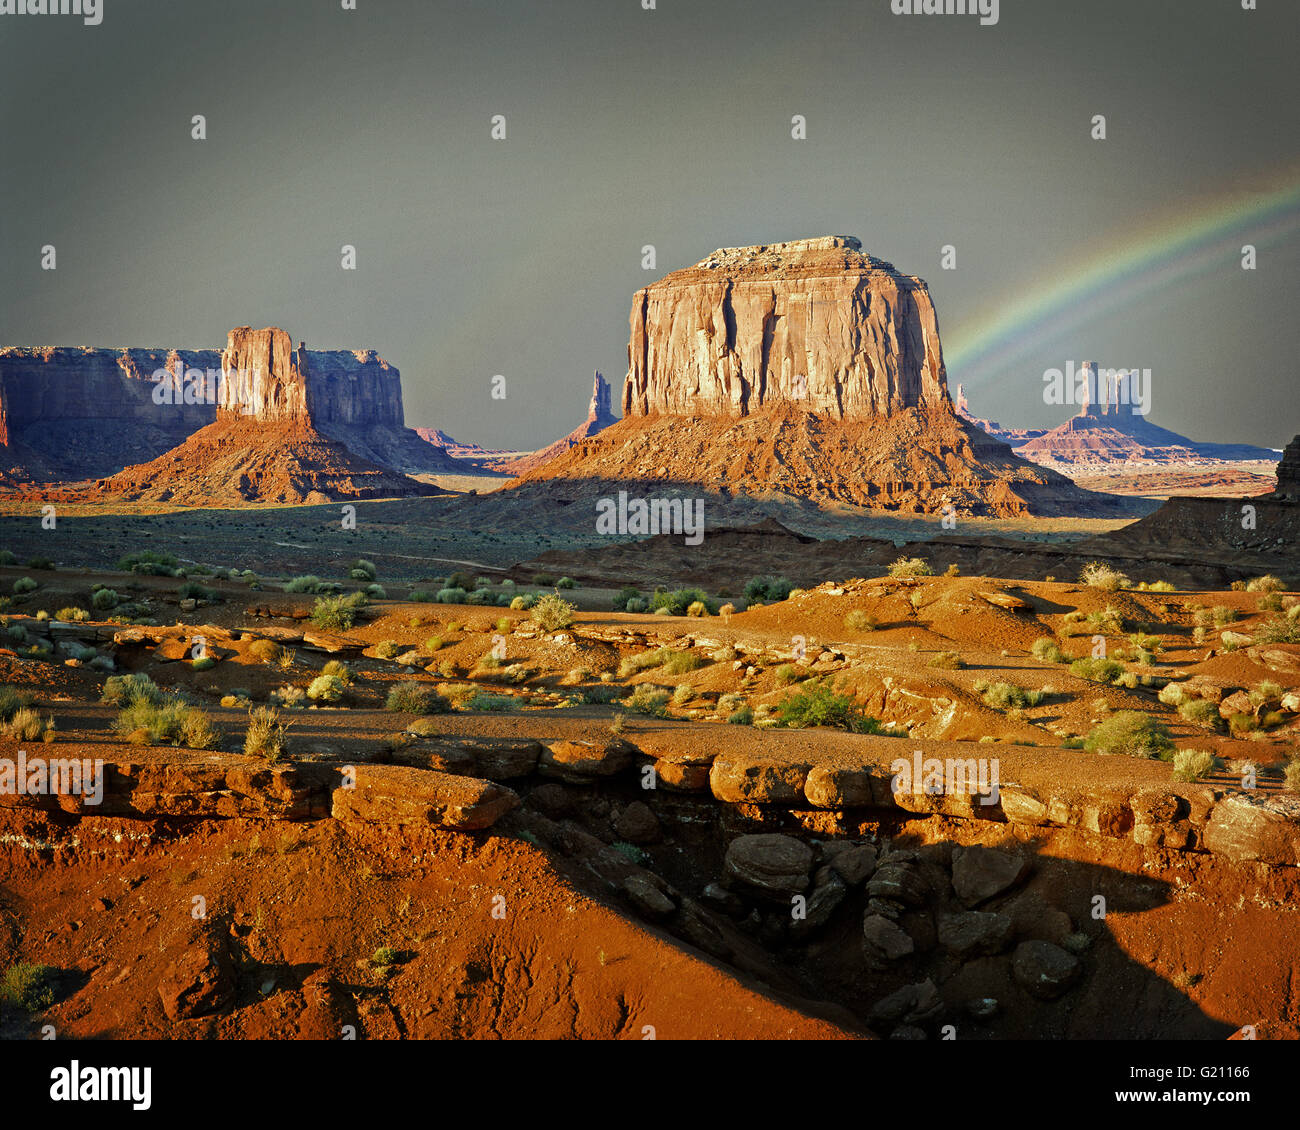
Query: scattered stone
{"x": 974, "y": 933}
{"x": 899, "y": 881}
{"x": 1044, "y": 970}
{"x": 883, "y": 941}
{"x": 648, "y": 898}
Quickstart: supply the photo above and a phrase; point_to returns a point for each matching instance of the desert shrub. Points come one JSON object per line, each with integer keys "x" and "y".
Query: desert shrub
{"x": 1191, "y": 765}
{"x": 17, "y": 633}
{"x": 455, "y": 595}
{"x": 681, "y": 663}
{"x": 203, "y": 663}
{"x": 326, "y": 688}
{"x": 387, "y": 649}
{"x": 1108, "y": 621}
{"x": 11, "y": 702}
{"x": 637, "y": 604}
{"x": 72, "y": 615}
{"x": 949, "y": 660}
{"x": 266, "y": 735}
{"x": 7, "y": 557}
{"x": 26, "y": 725}
{"x": 544, "y": 580}
{"x": 1132, "y": 733}
{"x": 1172, "y": 694}
{"x": 1269, "y": 602}
{"x": 566, "y": 583}
{"x": 288, "y": 696}
{"x": 364, "y": 567}
{"x": 480, "y": 597}
{"x": 682, "y": 694}
{"x": 264, "y": 651}
{"x": 768, "y": 589}
{"x": 647, "y": 699}
{"x": 1046, "y": 649}
{"x": 911, "y": 567}
{"x": 155, "y": 719}
{"x": 725, "y": 654}
{"x": 416, "y": 698}
{"x": 1099, "y": 575}
{"x": 1242, "y": 723}
{"x": 697, "y": 608}
{"x": 132, "y": 561}
{"x": 1291, "y": 775}
{"x": 789, "y": 673}
{"x": 1222, "y": 614}
{"x": 1006, "y": 696}
{"x": 433, "y": 643}
{"x": 1156, "y": 586}
{"x": 816, "y": 704}
{"x": 103, "y": 599}
{"x": 523, "y": 602}
{"x": 1267, "y": 693}
{"x": 25, "y": 584}
{"x": 860, "y": 621}
{"x": 1266, "y": 583}
{"x": 489, "y": 702}
{"x": 337, "y": 669}
{"x": 307, "y": 583}
{"x": 376, "y": 592}
{"x": 743, "y": 716}
{"x": 121, "y": 690}
{"x": 334, "y": 612}
{"x": 1199, "y": 712}
{"x": 646, "y": 660}
{"x": 420, "y": 596}
{"x": 676, "y": 603}
{"x": 552, "y": 613}
{"x": 626, "y": 593}
{"x": 1097, "y": 670}
{"x": 1278, "y": 629}
{"x": 27, "y": 986}
{"x": 486, "y": 582}
{"x": 192, "y": 590}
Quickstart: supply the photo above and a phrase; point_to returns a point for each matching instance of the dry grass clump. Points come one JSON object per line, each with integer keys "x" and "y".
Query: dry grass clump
{"x": 266, "y": 735}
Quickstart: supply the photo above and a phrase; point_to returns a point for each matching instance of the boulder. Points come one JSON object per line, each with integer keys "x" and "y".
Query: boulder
{"x": 397, "y": 794}
{"x": 979, "y": 873}
{"x": 199, "y": 982}
{"x": 769, "y": 863}
{"x": 747, "y": 779}
{"x": 579, "y": 762}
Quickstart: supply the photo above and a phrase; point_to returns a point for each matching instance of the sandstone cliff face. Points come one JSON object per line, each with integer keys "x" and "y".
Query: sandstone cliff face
{"x": 1288, "y": 474}
{"x": 816, "y": 323}
{"x": 808, "y": 370}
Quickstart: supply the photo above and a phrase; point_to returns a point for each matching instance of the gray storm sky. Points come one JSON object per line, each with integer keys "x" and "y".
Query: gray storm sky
{"x": 628, "y": 127}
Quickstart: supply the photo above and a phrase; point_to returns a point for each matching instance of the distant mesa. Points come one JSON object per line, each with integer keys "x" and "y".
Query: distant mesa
{"x": 809, "y": 369}
{"x": 1110, "y": 429}
{"x": 259, "y": 421}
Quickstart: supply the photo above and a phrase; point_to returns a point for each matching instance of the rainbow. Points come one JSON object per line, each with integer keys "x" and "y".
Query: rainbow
{"x": 1174, "y": 250}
